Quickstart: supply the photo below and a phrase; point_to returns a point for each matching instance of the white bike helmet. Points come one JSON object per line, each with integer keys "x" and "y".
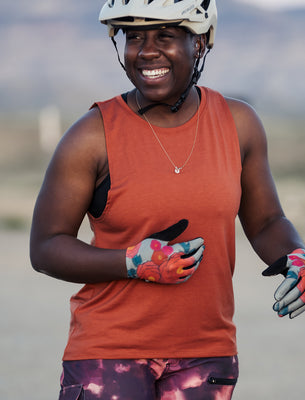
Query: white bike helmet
{"x": 198, "y": 16}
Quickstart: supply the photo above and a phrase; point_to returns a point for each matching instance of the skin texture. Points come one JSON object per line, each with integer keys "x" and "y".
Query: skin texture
{"x": 80, "y": 164}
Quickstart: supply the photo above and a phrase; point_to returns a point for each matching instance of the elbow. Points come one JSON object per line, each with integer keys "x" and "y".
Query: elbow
{"x": 44, "y": 255}
{"x": 40, "y": 266}
{"x": 38, "y": 258}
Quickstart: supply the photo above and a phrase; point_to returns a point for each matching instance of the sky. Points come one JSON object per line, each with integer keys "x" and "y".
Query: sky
{"x": 276, "y": 4}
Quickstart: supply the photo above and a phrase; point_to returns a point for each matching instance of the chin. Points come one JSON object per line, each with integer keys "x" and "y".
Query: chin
{"x": 158, "y": 96}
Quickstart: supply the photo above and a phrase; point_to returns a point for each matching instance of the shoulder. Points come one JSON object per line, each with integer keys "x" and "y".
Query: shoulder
{"x": 242, "y": 112}
{"x": 250, "y": 130}
{"x": 85, "y": 132}
{"x": 88, "y": 126}
{"x": 83, "y": 145}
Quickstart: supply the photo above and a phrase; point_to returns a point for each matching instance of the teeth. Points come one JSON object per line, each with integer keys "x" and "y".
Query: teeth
{"x": 155, "y": 73}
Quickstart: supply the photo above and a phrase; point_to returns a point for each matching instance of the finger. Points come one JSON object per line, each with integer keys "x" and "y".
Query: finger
{"x": 190, "y": 247}
{"x": 285, "y": 287}
{"x": 195, "y": 267}
{"x": 171, "y": 232}
{"x": 189, "y": 261}
{"x": 290, "y": 308}
{"x": 290, "y": 297}
{"x": 190, "y": 271}
{"x": 297, "y": 312}
{"x": 183, "y": 279}
{"x": 278, "y": 267}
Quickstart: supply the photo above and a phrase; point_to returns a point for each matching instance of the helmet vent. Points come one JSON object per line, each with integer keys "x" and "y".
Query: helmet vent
{"x": 125, "y": 19}
{"x": 204, "y": 7}
{"x": 205, "y": 4}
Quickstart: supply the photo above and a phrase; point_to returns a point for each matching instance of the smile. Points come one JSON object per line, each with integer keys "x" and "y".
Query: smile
{"x": 154, "y": 73}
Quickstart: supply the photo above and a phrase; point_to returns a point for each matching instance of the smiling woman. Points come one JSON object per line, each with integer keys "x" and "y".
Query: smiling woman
{"x": 162, "y": 172}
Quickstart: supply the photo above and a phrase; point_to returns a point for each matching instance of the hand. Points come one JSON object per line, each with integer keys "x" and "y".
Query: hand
{"x": 290, "y": 295}
{"x": 153, "y": 260}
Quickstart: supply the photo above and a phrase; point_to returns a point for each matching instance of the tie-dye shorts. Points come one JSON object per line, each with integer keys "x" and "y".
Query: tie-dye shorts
{"x": 150, "y": 379}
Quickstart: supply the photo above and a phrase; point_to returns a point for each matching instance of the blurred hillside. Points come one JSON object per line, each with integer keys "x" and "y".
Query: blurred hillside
{"x": 57, "y": 52}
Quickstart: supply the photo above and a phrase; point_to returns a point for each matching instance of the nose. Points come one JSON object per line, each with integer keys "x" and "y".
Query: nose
{"x": 149, "y": 49}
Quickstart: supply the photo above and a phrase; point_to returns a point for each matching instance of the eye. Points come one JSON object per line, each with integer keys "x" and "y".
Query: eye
{"x": 133, "y": 36}
{"x": 165, "y": 35}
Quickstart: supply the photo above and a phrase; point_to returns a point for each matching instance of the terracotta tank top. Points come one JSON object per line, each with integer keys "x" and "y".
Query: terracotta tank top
{"x": 134, "y": 319}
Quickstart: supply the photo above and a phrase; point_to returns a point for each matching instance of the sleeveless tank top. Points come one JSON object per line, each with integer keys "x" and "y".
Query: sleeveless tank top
{"x": 134, "y": 319}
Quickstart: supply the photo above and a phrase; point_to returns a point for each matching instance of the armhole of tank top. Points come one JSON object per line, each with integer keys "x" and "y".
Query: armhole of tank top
{"x": 99, "y": 198}
{"x": 100, "y": 194}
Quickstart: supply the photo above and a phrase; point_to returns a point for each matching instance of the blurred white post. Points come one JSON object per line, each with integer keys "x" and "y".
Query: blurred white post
{"x": 49, "y": 128}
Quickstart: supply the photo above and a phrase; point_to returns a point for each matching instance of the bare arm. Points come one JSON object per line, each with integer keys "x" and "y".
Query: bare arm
{"x": 270, "y": 233}
{"x": 79, "y": 162}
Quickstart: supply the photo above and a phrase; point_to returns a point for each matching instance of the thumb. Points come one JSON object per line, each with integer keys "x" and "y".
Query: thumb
{"x": 278, "y": 267}
{"x": 171, "y": 232}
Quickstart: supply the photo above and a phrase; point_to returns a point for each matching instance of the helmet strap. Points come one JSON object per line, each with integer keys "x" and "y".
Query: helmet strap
{"x": 117, "y": 52}
{"x": 195, "y": 78}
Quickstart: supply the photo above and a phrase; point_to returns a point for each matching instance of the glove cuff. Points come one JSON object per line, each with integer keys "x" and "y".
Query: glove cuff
{"x": 132, "y": 260}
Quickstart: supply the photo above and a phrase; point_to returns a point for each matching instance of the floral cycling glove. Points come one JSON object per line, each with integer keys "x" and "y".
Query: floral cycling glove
{"x": 290, "y": 295}
{"x": 153, "y": 260}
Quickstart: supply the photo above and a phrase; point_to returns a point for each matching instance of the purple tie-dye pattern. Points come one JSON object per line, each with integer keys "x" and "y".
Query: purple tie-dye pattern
{"x": 153, "y": 379}
{"x": 95, "y": 389}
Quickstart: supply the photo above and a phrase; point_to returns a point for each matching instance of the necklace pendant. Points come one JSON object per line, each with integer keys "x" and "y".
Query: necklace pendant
{"x": 177, "y": 170}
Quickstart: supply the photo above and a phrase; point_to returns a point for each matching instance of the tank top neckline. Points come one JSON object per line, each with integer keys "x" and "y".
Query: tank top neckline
{"x": 190, "y": 122}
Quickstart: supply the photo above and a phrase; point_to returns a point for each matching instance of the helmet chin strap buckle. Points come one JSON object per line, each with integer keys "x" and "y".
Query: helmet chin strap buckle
{"x": 175, "y": 108}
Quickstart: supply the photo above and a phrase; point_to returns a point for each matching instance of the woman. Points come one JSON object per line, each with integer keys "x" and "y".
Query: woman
{"x": 154, "y": 319}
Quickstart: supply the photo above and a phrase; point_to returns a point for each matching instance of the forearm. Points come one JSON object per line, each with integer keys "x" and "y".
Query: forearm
{"x": 67, "y": 258}
{"x": 277, "y": 238}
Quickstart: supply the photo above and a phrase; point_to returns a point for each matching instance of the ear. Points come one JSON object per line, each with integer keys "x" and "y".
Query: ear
{"x": 200, "y": 45}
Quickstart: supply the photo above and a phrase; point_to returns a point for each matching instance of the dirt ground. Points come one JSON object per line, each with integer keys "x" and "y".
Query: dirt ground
{"x": 35, "y": 317}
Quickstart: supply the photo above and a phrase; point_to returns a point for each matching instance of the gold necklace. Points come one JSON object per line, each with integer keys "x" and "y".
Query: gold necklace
{"x": 177, "y": 169}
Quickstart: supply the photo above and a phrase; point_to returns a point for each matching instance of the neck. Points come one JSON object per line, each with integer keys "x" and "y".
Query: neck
{"x": 161, "y": 115}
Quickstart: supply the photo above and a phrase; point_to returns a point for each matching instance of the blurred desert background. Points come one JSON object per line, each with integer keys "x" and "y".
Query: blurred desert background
{"x": 56, "y": 60}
